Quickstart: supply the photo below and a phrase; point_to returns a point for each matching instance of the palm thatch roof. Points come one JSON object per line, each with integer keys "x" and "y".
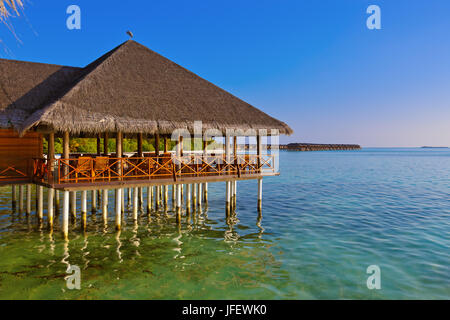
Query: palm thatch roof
{"x": 133, "y": 89}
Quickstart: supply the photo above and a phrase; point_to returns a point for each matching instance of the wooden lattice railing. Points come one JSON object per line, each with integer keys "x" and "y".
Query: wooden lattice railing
{"x": 104, "y": 169}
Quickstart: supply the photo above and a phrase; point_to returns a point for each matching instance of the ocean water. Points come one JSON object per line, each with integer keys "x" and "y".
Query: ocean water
{"x": 325, "y": 219}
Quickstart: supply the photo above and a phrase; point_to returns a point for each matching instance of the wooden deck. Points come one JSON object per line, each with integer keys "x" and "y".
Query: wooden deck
{"x": 103, "y": 172}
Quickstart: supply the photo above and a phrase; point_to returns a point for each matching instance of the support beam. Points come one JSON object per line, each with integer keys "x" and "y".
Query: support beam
{"x": 149, "y": 200}
{"x": 73, "y": 204}
{"x": 40, "y": 202}
{"x": 51, "y": 152}
{"x": 118, "y": 208}
{"x": 205, "y": 192}
{"x": 57, "y": 202}
{"x": 188, "y": 197}
{"x": 105, "y": 144}
{"x": 166, "y": 197}
{"x": 105, "y": 205}
{"x": 94, "y": 200}
{"x": 227, "y": 196}
{"x": 139, "y": 144}
{"x": 135, "y": 203}
{"x": 260, "y": 194}
{"x": 21, "y": 196}
{"x": 99, "y": 144}
{"x": 199, "y": 198}
{"x": 50, "y": 215}
{"x": 157, "y": 144}
{"x": 28, "y": 198}
{"x": 66, "y": 150}
{"x": 65, "y": 218}
{"x": 165, "y": 144}
{"x": 83, "y": 209}
{"x": 13, "y": 196}
{"x": 178, "y": 204}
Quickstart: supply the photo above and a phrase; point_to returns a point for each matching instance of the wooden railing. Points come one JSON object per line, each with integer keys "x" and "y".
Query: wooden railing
{"x": 105, "y": 169}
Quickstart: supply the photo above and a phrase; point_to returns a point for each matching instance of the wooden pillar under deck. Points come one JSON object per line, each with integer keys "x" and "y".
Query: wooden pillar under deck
{"x": 65, "y": 218}
{"x": 260, "y": 194}
{"x": 83, "y": 209}
{"x": 28, "y": 211}
{"x": 50, "y": 211}
{"x": 40, "y": 202}
{"x": 13, "y": 196}
{"x": 21, "y": 196}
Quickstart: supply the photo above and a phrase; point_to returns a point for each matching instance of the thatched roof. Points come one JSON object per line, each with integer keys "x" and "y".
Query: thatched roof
{"x": 24, "y": 86}
{"x": 133, "y": 89}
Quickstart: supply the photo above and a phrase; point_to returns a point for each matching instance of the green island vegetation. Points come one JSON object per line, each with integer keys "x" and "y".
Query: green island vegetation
{"x": 89, "y": 145}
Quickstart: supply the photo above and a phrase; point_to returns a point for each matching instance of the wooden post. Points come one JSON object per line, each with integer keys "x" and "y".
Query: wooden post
{"x": 119, "y": 138}
{"x": 259, "y": 194}
{"x": 57, "y": 202}
{"x": 66, "y": 151}
{"x": 205, "y": 192}
{"x": 73, "y": 204}
{"x": 51, "y": 152}
{"x": 28, "y": 198}
{"x": 21, "y": 187}
{"x": 99, "y": 144}
{"x": 234, "y": 192}
{"x": 105, "y": 144}
{"x": 228, "y": 183}
{"x": 122, "y": 202}
{"x": 141, "y": 198}
{"x": 40, "y": 202}
{"x": 178, "y": 206}
{"x": 188, "y": 197}
{"x": 139, "y": 144}
{"x": 135, "y": 203}
{"x": 83, "y": 209}
{"x": 50, "y": 211}
{"x": 227, "y": 196}
{"x": 65, "y": 219}
{"x": 13, "y": 196}
{"x": 165, "y": 144}
{"x": 105, "y": 205}
{"x": 94, "y": 200}
{"x": 118, "y": 208}
{"x": 166, "y": 197}
{"x": 199, "y": 198}
{"x": 149, "y": 199}
{"x": 157, "y": 144}
{"x": 258, "y": 150}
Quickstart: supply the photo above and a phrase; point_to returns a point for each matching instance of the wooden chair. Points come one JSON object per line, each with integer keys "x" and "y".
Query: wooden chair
{"x": 101, "y": 167}
{"x": 84, "y": 168}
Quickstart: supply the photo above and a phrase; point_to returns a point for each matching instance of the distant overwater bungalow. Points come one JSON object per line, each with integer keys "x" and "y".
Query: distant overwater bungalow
{"x": 130, "y": 92}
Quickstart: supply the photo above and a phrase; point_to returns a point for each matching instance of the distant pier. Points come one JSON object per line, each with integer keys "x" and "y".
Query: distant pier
{"x": 318, "y": 147}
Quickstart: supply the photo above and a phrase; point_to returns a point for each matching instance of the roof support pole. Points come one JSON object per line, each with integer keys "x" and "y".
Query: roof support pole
{"x": 119, "y": 138}
{"x": 99, "y": 144}
{"x": 51, "y": 152}
{"x": 165, "y": 144}
{"x": 66, "y": 152}
{"x": 157, "y": 144}
{"x": 139, "y": 144}
{"x": 258, "y": 150}
{"x": 105, "y": 144}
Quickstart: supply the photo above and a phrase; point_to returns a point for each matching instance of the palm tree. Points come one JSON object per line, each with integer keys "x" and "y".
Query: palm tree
{"x": 7, "y": 9}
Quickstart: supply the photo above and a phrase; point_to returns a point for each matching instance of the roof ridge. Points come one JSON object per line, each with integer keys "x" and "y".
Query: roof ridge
{"x": 84, "y": 72}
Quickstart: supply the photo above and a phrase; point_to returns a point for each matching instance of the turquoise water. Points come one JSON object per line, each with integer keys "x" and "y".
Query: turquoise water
{"x": 324, "y": 221}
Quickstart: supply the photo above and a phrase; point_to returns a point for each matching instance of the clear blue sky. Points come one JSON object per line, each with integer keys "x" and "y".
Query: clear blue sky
{"x": 312, "y": 64}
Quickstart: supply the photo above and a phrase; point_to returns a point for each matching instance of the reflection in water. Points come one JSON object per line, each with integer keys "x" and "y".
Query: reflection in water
{"x": 154, "y": 255}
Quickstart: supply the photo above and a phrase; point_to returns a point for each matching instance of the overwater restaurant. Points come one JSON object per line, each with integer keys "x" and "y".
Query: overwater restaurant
{"x": 134, "y": 93}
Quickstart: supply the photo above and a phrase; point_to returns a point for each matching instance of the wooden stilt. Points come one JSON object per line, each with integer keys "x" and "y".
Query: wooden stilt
{"x": 83, "y": 209}
{"x": 57, "y": 202}
{"x": 122, "y": 202}
{"x": 141, "y": 198}
{"x": 149, "y": 199}
{"x": 188, "y": 197}
{"x": 178, "y": 205}
{"x": 135, "y": 203}
{"x": 199, "y": 198}
{"x": 194, "y": 195}
{"x": 94, "y": 200}
{"x": 205, "y": 192}
{"x": 73, "y": 204}
{"x": 105, "y": 205}
{"x": 129, "y": 197}
{"x": 40, "y": 202}
{"x": 166, "y": 197}
{"x": 260, "y": 194}
{"x": 28, "y": 198}
{"x": 21, "y": 195}
{"x": 13, "y": 196}
{"x": 65, "y": 219}
{"x": 50, "y": 215}
{"x": 118, "y": 208}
